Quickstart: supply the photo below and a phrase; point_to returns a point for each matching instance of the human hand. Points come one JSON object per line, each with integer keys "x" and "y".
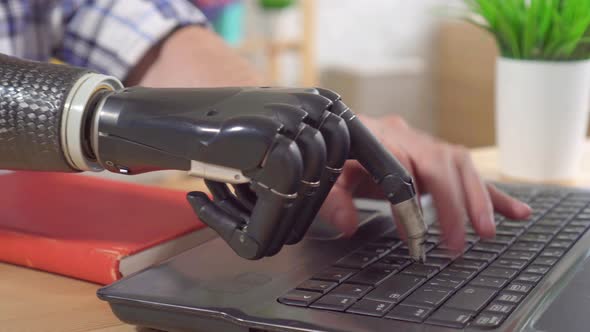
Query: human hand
{"x": 446, "y": 171}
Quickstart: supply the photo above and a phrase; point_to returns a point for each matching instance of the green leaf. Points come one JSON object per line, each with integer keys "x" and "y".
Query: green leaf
{"x": 536, "y": 29}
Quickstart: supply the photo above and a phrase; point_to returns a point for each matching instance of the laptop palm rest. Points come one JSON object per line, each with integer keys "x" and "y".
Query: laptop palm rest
{"x": 569, "y": 308}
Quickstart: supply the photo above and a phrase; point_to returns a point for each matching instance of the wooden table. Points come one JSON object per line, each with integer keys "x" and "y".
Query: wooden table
{"x": 38, "y": 301}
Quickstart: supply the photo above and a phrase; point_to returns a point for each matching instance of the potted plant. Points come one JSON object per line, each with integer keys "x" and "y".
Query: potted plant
{"x": 542, "y": 83}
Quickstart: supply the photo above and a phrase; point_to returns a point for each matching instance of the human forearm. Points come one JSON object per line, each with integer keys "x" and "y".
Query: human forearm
{"x": 193, "y": 57}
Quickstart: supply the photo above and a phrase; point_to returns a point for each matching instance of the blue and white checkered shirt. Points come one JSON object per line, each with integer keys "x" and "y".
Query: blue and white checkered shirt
{"x": 109, "y": 36}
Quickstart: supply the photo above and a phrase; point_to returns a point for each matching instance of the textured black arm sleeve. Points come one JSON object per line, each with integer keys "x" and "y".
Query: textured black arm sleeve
{"x": 32, "y": 99}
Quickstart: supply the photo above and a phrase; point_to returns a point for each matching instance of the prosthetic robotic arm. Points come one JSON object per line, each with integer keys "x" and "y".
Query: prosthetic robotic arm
{"x": 281, "y": 149}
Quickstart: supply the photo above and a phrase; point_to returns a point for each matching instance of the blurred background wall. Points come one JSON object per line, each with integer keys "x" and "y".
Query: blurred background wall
{"x": 384, "y": 56}
{"x": 378, "y": 54}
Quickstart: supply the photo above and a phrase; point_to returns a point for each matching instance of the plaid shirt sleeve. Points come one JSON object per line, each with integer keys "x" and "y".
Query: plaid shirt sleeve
{"x": 111, "y": 36}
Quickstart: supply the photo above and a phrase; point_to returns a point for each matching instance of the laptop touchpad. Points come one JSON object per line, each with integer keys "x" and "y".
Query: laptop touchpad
{"x": 570, "y": 309}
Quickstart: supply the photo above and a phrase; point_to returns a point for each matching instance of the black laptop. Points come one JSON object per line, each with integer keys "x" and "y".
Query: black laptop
{"x": 533, "y": 276}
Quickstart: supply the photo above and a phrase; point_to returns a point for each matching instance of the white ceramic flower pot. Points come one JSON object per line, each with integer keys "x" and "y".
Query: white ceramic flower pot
{"x": 541, "y": 118}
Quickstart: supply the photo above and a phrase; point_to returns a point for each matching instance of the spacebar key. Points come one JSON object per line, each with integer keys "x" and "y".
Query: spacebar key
{"x": 395, "y": 288}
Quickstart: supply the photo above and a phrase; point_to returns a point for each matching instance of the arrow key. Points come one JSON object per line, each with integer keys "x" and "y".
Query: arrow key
{"x": 350, "y": 290}
{"x": 299, "y": 298}
{"x": 334, "y": 302}
{"x": 370, "y": 308}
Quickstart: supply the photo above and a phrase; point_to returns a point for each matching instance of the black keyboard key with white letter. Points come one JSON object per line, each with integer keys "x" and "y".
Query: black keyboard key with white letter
{"x": 335, "y": 274}
{"x": 373, "y": 275}
{"x": 395, "y": 288}
{"x": 370, "y": 308}
{"x": 490, "y": 282}
{"x": 421, "y": 270}
{"x": 299, "y": 298}
{"x": 450, "y": 318}
{"x": 470, "y": 298}
{"x": 428, "y": 296}
{"x": 351, "y": 290}
{"x": 488, "y": 320}
{"x": 317, "y": 286}
{"x": 333, "y": 302}
{"x": 409, "y": 313}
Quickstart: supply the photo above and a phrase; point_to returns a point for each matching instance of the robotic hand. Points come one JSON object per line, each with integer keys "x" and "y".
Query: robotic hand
{"x": 281, "y": 149}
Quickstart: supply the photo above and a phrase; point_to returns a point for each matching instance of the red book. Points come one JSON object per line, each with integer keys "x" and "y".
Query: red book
{"x": 90, "y": 228}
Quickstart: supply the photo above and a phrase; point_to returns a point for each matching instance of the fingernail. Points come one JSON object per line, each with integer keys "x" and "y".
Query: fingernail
{"x": 487, "y": 225}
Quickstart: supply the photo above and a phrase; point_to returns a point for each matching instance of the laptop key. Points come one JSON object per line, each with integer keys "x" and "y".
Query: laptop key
{"x": 517, "y": 254}
{"x": 560, "y": 244}
{"x": 551, "y": 230}
{"x": 535, "y": 237}
{"x": 528, "y": 246}
{"x": 566, "y": 237}
{"x": 470, "y": 298}
{"x": 451, "y": 272}
{"x": 370, "y": 308}
{"x": 574, "y": 229}
{"x": 439, "y": 263}
{"x": 441, "y": 253}
{"x": 399, "y": 263}
{"x": 400, "y": 252}
{"x": 433, "y": 230}
{"x": 508, "y": 231}
{"x": 510, "y": 263}
{"x": 372, "y": 249}
{"x": 421, "y": 270}
{"x": 335, "y": 274}
{"x": 499, "y": 272}
{"x": 450, "y": 318}
{"x": 333, "y": 302}
{"x": 409, "y": 313}
{"x": 549, "y": 261}
{"x": 434, "y": 239}
{"x": 428, "y": 296}
{"x": 512, "y": 298}
{"x": 499, "y": 307}
{"x": 357, "y": 260}
{"x": 489, "y": 247}
{"x": 427, "y": 247}
{"x": 299, "y": 298}
{"x": 387, "y": 242}
{"x": 551, "y": 222}
{"x": 469, "y": 264}
{"x": 351, "y": 290}
{"x": 519, "y": 287}
{"x": 516, "y": 223}
{"x": 374, "y": 274}
{"x": 537, "y": 269}
{"x": 552, "y": 252}
{"x": 446, "y": 282}
{"x": 395, "y": 288}
{"x": 488, "y": 320}
{"x": 480, "y": 255}
{"x": 584, "y": 216}
{"x": 445, "y": 246}
{"x": 317, "y": 286}
{"x": 490, "y": 282}
{"x": 578, "y": 222}
{"x": 529, "y": 277}
{"x": 500, "y": 239}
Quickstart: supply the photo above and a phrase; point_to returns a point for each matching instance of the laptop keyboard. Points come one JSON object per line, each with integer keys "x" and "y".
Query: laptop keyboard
{"x": 479, "y": 288}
